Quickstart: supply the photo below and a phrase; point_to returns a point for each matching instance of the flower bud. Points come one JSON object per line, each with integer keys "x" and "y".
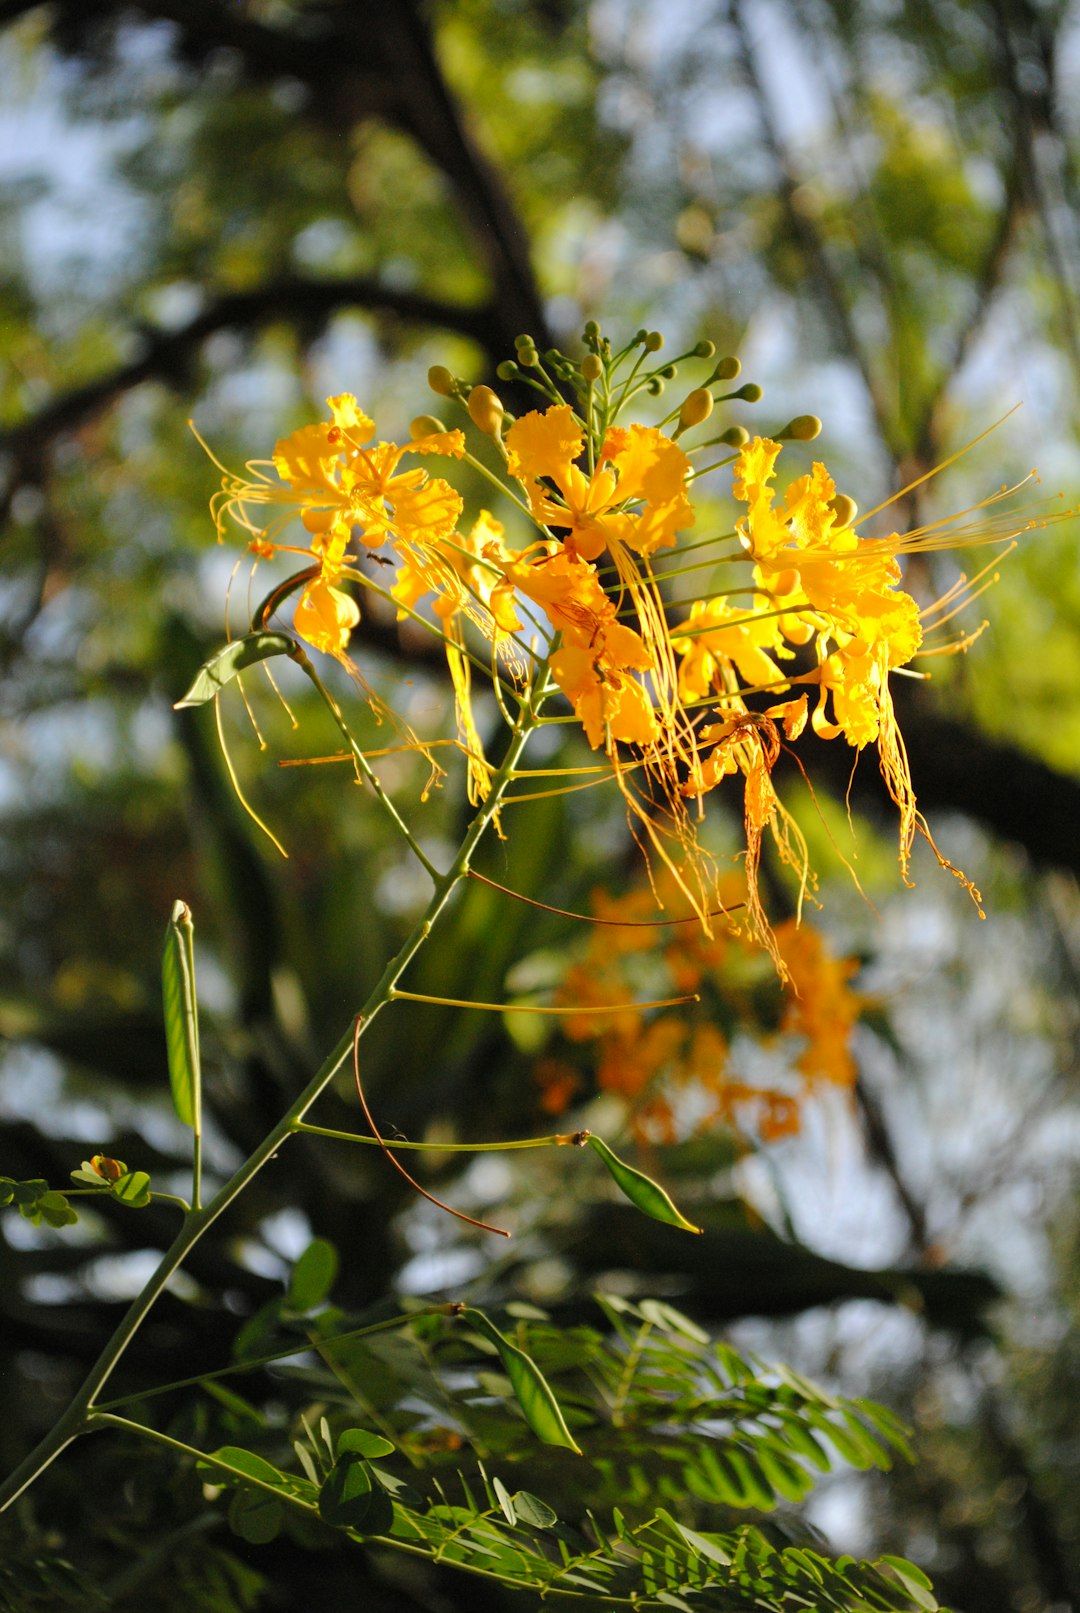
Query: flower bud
{"x": 523, "y": 341}
{"x": 726, "y": 370}
{"x": 735, "y": 436}
{"x": 654, "y": 341}
{"x": 804, "y": 428}
{"x": 697, "y": 408}
{"x": 440, "y": 380}
{"x": 703, "y": 349}
{"x": 844, "y": 508}
{"x": 425, "y": 425}
{"x": 654, "y": 387}
{"x": 669, "y": 372}
{"x": 592, "y": 331}
{"x": 591, "y": 367}
{"x": 485, "y": 410}
{"x": 641, "y": 338}
{"x": 529, "y": 357}
{"x": 751, "y": 393}
{"x": 507, "y": 370}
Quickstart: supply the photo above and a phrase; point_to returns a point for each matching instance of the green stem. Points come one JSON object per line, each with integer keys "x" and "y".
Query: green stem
{"x": 99, "y": 1418}
{"x": 556, "y": 1140}
{"x": 77, "y": 1418}
{"x": 301, "y": 1347}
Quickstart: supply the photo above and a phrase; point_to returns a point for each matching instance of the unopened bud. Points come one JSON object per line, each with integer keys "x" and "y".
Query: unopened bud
{"x": 523, "y": 341}
{"x": 844, "y": 508}
{"x": 726, "y": 370}
{"x": 704, "y": 349}
{"x": 507, "y": 370}
{"x": 654, "y": 387}
{"x": 654, "y": 341}
{"x": 669, "y": 372}
{"x": 735, "y": 436}
{"x": 529, "y": 357}
{"x": 591, "y": 367}
{"x": 750, "y": 393}
{"x": 696, "y": 408}
{"x": 641, "y": 338}
{"x": 804, "y": 428}
{"x": 425, "y": 425}
{"x": 486, "y": 410}
{"x": 592, "y": 331}
{"x": 440, "y": 380}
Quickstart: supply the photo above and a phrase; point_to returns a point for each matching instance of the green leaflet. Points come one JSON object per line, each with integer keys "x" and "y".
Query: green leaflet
{"x": 132, "y": 1189}
{"x": 223, "y": 666}
{"x": 312, "y": 1276}
{"x": 645, "y": 1194}
{"x": 255, "y": 1516}
{"x": 357, "y": 1441}
{"x": 531, "y": 1389}
{"x": 351, "y": 1498}
{"x": 181, "y": 1015}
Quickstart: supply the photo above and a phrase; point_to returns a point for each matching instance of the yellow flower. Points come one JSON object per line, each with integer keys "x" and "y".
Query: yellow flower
{"x": 636, "y": 496}
{"x": 325, "y": 474}
{"x": 715, "y": 639}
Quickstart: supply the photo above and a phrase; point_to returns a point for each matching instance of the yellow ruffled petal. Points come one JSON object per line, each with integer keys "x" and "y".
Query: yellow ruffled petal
{"x": 543, "y": 443}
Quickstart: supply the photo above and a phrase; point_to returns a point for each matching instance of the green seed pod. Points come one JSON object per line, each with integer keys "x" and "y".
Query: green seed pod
{"x": 696, "y": 409}
{"x": 486, "y": 410}
{"x": 804, "y": 428}
{"x": 654, "y": 341}
{"x": 726, "y": 370}
{"x": 424, "y": 426}
{"x": 750, "y": 393}
{"x": 440, "y": 380}
{"x": 591, "y": 367}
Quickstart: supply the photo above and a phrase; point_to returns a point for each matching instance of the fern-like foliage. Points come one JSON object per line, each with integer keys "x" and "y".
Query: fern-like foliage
{"x": 680, "y": 1436}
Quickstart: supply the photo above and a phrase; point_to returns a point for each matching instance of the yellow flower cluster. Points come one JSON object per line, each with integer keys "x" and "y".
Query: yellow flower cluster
{"x": 581, "y": 606}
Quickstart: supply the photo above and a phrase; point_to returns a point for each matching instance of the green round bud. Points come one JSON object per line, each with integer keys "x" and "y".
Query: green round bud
{"x": 507, "y": 370}
{"x": 440, "y": 380}
{"x": 592, "y": 331}
{"x": 654, "y": 387}
{"x": 641, "y": 338}
{"x": 726, "y": 370}
{"x": 696, "y": 409}
{"x": 591, "y": 367}
{"x": 669, "y": 372}
{"x": 750, "y": 393}
{"x": 704, "y": 349}
{"x": 804, "y": 428}
{"x": 844, "y": 508}
{"x": 529, "y": 357}
{"x": 486, "y": 410}
{"x": 735, "y": 436}
{"x": 523, "y": 341}
{"x": 654, "y": 341}
{"x": 424, "y": 426}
